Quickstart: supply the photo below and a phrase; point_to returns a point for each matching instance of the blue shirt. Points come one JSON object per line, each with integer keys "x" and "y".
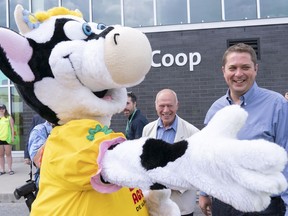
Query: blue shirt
{"x": 38, "y": 137}
{"x": 167, "y": 134}
{"x": 267, "y": 117}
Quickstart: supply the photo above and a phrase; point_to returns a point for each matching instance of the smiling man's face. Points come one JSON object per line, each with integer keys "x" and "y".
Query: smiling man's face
{"x": 239, "y": 73}
{"x": 166, "y": 105}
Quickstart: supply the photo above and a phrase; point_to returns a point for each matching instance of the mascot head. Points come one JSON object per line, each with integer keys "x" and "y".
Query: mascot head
{"x": 66, "y": 68}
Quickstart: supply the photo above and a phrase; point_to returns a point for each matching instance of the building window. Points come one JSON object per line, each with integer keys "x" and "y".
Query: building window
{"x": 107, "y": 12}
{"x": 138, "y": 13}
{"x": 4, "y": 96}
{"x": 171, "y": 12}
{"x": 240, "y": 9}
{"x": 83, "y": 6}
{"x": 201, "y": 12}
{"x": 42, "y": 5}
{"x": 12, "y": 6}
{"x": 3, "y": 20}
{"x": 14, "y": 103}
{"x": 275, "y": 8}
{"x": 3, "y": 80}
{"x": 17, "y": 113}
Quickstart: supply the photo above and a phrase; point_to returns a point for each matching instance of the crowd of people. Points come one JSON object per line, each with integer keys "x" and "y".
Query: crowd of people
{"x": 267, "y": 119}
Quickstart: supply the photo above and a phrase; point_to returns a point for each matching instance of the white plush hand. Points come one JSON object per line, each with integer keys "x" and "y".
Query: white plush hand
{"x": 241, "y": 173}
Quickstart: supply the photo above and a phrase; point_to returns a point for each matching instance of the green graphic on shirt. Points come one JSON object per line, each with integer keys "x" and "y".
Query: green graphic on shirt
{"x": 98, "y": 128}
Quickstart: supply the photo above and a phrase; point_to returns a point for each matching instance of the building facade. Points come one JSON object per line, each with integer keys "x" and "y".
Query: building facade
{"x": 188, "y": 39}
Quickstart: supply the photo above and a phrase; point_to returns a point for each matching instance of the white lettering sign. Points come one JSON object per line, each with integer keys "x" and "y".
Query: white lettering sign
{"x": 180, "y": 59}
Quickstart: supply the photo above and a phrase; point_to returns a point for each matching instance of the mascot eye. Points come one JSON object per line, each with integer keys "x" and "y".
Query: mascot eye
{"x": 87, "y": 29}
{"x": 101, "y": 26}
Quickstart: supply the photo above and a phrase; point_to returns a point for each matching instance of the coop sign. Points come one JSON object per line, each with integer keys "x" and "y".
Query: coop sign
{"x": 180, "y": 59}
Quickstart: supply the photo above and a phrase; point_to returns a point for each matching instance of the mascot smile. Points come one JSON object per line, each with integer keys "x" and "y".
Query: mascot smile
{"x": 75, "y": 74}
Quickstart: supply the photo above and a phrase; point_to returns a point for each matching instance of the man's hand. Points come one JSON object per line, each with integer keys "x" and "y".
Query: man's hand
{"x": 205, "y": 205}
{"x": 27, "y": 161}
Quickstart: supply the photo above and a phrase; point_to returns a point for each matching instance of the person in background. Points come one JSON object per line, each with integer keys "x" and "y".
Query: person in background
{"x": 171, "y": 128}
{"x": 37, "y": 139}
{"x": 136, "y": 120}
{"x": 6, "y": 138}
{"x": 267, "y": 119}
{"x": 36, "y": 119}
{"x": 286, "y": 95}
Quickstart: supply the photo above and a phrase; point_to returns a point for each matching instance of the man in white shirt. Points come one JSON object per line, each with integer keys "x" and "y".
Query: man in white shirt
{"x": 171, "y": 128}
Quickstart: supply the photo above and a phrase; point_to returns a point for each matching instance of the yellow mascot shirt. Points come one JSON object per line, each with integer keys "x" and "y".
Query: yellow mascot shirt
{"x": 69, "y": 161}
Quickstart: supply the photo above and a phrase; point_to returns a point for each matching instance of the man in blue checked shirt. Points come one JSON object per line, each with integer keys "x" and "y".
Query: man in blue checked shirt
{"x": 267, "y": 119}
{"x": 37, "y": 139}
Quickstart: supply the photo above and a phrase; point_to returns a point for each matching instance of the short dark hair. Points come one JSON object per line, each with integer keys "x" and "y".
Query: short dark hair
{"x": 240, "y": 48}
{"x": 132, "y": 96}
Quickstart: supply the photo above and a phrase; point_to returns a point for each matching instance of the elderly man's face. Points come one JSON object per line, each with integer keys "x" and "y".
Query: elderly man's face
{"x": 166, "y": 107}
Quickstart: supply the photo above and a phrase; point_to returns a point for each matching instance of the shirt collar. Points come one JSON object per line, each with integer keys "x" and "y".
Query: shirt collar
{"x": 173, "y": 126}
{"x": 247, "y": 97}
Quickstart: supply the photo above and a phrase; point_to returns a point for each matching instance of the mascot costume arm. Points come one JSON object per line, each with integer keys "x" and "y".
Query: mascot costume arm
{"x": 243, "y": 173}
{"x": 68, "y": 70}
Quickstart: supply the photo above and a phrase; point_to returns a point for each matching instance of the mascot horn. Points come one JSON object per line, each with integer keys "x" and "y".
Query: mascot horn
{"x": 75, "y": 73}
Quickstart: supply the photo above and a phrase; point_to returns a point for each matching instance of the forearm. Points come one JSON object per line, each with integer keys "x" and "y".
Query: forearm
{"x": 216, "y": 168}
{"x": 137, "y": 163}
{"x": 12, "y": 129}
{"x": 38, "y": 156}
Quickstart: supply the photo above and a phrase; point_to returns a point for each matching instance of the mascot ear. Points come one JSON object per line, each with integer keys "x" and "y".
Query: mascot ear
{"x": 15, "y": 53}
{"x": 19, "y": 19}
{"x": 78, "y": 11}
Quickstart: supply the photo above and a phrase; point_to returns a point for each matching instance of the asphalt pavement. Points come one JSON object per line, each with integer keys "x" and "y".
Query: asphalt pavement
{"x": 9, "y": 205}
{"x": 8, "y": 183}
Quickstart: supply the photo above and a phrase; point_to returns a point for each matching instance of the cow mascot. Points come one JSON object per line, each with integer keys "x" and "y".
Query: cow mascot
{"x": 75, "y": 73}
